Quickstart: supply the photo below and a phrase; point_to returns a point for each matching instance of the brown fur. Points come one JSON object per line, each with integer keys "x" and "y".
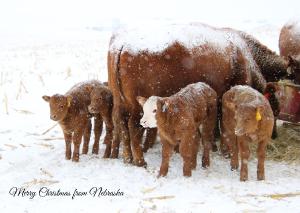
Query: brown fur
{"x": 179, "y": 118}
{"x": 289, "y": 47}
{"x": 71, "y": 112}
{"x": 102, "y": 104}
{"x": 270, "y": 94}
{"x": 240, "y": 127}
{"x": 272, "y": 66}
{"x": 150, "y": 74}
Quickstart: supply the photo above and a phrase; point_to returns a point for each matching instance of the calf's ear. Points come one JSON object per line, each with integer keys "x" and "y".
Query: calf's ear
{"x": 162, "y": 105}
{"x": 141, "y": 100}
{"x": 46, "y": 98}
{"x": 69, "y": 100}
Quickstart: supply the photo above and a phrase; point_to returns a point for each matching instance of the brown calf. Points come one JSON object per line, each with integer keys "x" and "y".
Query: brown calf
{"x": 181, "y": 119}
{"x": 102, "y": 103}
{"x": 71, "y": 112}
{"x": 247, "y": 116}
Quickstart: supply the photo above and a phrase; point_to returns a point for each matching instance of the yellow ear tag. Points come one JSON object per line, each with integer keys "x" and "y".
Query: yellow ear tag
{"x": 258, "y": 115}
{"x": 69, "y": 103}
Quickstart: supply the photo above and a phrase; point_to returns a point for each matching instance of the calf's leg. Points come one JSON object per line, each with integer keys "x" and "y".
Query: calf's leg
{"x": 167, "y": 150}
{"x": 186, "y": 152}
{"x": 98, "y": 125}
{"x": 234, "y": 152}
{"x": 68, "y": 141}
{"x": 261, "y": 154}
{"x": 86, "y": 137}
{"x": 274, "y": 132}
{"x": 108, "y": 137}
{"x": 245, "y": 153}
{"x": 195, "y": 149}
{"x": 120, "y": 123}
{"x": 150, "y": 138}
{"x": 136, "y": 134}
{"x": 77, "y": 136}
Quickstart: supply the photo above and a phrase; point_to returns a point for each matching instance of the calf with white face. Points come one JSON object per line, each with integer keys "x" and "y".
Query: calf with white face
{"x": 178, "y": 119}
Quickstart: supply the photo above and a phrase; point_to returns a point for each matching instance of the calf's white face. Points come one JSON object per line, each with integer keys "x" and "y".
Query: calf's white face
{"x": 149, "y": 107}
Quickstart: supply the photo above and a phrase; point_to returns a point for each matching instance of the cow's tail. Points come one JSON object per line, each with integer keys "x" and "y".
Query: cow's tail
{"x": 118, "y": 74}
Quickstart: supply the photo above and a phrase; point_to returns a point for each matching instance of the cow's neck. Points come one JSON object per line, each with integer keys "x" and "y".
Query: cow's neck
{"x": 272, "y": 66}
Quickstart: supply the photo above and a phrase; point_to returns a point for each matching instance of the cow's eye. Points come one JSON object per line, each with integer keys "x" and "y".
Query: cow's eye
{"x": 61, "y": 106}
{"x": 154, "y": 111}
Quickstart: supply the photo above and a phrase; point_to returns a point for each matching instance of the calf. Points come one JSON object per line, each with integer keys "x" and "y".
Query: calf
{"x": 247, "y": 117}
{"x": 102, "y": 104}
{"x": 71, "y": 112}
{"x": 180, "y": 120}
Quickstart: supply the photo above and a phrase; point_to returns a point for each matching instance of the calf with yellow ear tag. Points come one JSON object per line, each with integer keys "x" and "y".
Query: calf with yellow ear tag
{"x": 251, "y": 121}
{"x": 71, "y": 112}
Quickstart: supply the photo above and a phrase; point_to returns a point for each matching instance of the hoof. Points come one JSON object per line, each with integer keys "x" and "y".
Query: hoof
{"x": 187, "y": 174}
{"x": 140, "y": 163}
{"x": 234, "y": 168}
{"x": 205, "y": 163}
{"x": 214, "y": 148}
{"x": 127, "y": 160}
{"x": 160, "y": 174}
{"x": 243, "y": 179}
{"x": 145, "y": 149}
{"x": 75, "y": 160}
{"x": 115, "y": 154}
{"x": 260, "y": 177}
{"x": 106, "y": 155}
{"x": 274, "y": 136}
{"x": 95, "y": 152}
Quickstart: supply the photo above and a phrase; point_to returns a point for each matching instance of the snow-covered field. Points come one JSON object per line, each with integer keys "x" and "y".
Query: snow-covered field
{"x": 32, "y": 152}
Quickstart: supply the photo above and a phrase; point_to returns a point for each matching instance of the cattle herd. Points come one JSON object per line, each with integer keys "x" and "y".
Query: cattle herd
{"x": 191, "y": 83}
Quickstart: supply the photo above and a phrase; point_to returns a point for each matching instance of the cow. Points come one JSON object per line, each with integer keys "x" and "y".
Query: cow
{"x": 289, "y": 47}
{"x": 140, "y": 64}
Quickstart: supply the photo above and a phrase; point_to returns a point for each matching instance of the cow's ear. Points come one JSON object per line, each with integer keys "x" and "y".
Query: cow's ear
{"x": 141, "y": 100}
{"x": 46, "y": 98}
{"x": 69, "y": 100}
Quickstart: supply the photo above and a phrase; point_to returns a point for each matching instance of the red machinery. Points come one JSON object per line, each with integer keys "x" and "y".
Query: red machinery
{"x": 289, "y": 94}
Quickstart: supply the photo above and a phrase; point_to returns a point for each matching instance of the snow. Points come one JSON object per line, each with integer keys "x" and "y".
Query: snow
{"x": 137, "y": 39}
{"x": 50, "y": 62}
{"x": 296, "y": 26}
{"x": 253, "y": 99}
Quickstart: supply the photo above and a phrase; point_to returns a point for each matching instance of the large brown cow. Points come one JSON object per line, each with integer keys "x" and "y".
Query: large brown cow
{"x": 141, "y": 63}
{"x": 289, "y": 46}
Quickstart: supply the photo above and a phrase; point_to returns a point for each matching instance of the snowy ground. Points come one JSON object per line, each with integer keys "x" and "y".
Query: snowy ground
{"x": 32, "y": 157}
